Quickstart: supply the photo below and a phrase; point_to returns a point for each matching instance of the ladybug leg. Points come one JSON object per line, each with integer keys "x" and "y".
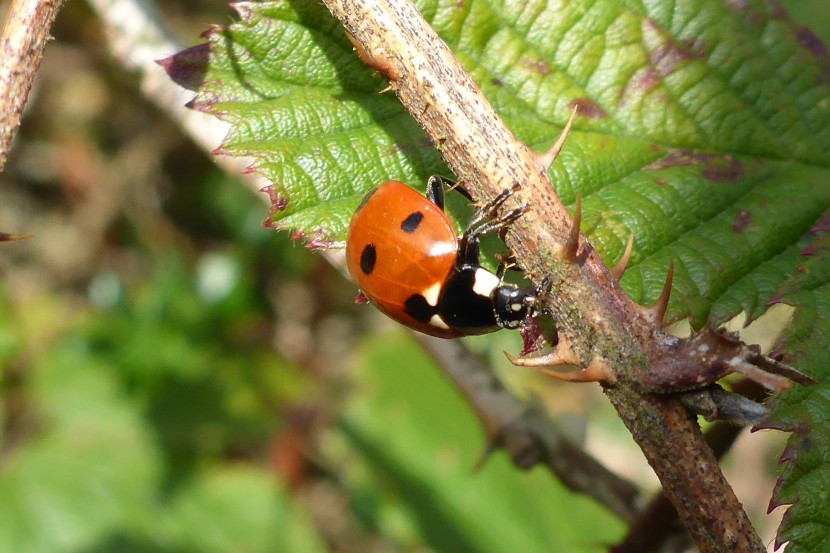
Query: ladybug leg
{"x": 488, "y": 210}
{"x": 506, "y": 261}
{"x": 435, "y": 190}
{"x": 468, "y": 244}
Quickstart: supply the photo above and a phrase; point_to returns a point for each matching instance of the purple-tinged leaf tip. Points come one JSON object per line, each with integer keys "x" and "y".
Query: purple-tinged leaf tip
{"x": 243, "y": 9}
{"x": 188, "y": 67}
{"x": 212, "y": 30}
{"x": 319, "y": 241}
{"x": 278, "y": 203}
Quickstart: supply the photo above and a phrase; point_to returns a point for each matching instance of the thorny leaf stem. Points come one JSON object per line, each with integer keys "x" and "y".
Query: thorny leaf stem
{"x": 599, "y": 320}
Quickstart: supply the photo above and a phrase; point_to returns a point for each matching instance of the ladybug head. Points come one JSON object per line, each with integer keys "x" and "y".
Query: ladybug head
{"x": 512, "y": 305}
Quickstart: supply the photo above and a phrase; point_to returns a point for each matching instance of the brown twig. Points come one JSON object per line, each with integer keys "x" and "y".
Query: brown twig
{"x": 602, "y": 324}
{"x": 527, "y": 434}
{"x": 24, "y": 36}
{"x": 658, "y": 521}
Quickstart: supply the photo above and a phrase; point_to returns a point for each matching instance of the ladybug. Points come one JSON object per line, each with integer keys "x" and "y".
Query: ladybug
{"x": 405, "y": 256}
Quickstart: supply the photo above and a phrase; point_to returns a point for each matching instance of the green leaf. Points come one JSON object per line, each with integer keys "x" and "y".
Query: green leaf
{"x": 704, "y": 131}
{"x": 238, "y": 509}
{"x": 806, "y": 412}
{"x": 409, "y": 445}
{"x": 307, "y": 109}
{"x": 88, "y": 466}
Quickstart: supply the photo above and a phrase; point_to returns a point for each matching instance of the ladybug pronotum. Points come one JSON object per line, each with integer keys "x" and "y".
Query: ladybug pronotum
{"x": 405, "y": 256}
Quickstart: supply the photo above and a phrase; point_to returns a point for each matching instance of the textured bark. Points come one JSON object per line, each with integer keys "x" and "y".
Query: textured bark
{"x": 24, "y": 36}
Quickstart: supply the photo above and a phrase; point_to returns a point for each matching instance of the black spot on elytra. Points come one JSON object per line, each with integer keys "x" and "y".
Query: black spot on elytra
{"x": 417, "y": 307}
{"x": 412, "y": 221}
{"x": 367, "y": 259}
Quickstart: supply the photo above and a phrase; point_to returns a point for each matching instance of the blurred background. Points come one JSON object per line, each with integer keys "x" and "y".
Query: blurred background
{"x": 175, "y": 377}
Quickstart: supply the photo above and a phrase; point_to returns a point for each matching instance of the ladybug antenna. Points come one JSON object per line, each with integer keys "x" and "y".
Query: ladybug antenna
{"x": 619, "y": 268}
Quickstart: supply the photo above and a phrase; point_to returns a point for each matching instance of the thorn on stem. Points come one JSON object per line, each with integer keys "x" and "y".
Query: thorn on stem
{"x": 770, "y": 381}
{"x": 572, "y": 245}
{"x": 781, "y": 369}
{"x": 6, "y": 237}
{"x": 380, "y": 63}
{"x": 619, "y": 269}
{"x": 547, "y": 158}
{"x": 563, "y": 355}
{"x": 657, "y": 312}
{"x": 596, "y": 371}
{"x": 484, "y": 456}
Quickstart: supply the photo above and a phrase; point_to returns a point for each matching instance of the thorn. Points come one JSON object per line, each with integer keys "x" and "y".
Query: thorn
{"x": 619, "y": 269}
{"x": 485, "y": 455}
{"x": 778, "y": 368}
{"x": 657, "y": 311}
{"x": 572, "y": 245}
{"x": 381, "y": 63}
{"x": 387, "y": 88}
{"x": 6, "y": 237}
{"x": 547, "y": 158}
{"x": 596, "y": 371}
{"x": 563, "y": 355}
{"x": 770, "y": 381}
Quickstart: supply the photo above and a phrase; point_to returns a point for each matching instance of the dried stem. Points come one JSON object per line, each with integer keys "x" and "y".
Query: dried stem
{"x": 527, "y": 434}
{"x": 599, "y": 319}
{"x": 25, "y": 33}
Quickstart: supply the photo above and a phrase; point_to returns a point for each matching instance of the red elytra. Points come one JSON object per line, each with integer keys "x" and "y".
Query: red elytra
{"x": 400, "y": 244}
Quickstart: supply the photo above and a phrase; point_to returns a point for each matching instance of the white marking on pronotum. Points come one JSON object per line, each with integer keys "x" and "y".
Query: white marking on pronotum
{"x": 516, "y": 306}
{"x": 439, "y": 322}
{"x": 431, "y": 294}
{"x": 485, "y": 282}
